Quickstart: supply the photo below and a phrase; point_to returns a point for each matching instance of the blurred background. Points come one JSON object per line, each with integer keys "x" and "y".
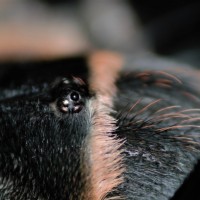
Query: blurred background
{"x": 49, "y": 29}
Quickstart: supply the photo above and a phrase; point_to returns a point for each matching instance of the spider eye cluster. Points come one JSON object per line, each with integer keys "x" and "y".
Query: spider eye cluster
{"x": 72, "y": 103}
{"x": 70, "y": 95}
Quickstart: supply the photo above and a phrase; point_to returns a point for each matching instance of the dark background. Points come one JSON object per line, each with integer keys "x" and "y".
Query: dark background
{"x": 171, "y": 26}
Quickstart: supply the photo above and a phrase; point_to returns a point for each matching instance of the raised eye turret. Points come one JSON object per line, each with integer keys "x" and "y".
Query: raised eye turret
{"x": 71, "y": 103}
{"x": 69, "y": 95}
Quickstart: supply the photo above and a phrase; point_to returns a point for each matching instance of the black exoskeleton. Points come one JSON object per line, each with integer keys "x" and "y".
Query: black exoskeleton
{"x": 42, "y": 135}
{"x": 49, "y": 114}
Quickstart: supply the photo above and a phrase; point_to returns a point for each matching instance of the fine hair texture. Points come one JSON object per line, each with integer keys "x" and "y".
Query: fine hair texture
{"x": 87, "y": 129}
{"x": 105, "y": 148}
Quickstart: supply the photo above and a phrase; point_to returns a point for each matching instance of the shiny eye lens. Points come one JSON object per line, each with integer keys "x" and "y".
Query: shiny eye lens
{"x": 75, "y": 96}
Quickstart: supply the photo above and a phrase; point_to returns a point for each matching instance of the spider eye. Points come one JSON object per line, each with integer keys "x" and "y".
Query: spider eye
{"x": 74, "y": 96}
